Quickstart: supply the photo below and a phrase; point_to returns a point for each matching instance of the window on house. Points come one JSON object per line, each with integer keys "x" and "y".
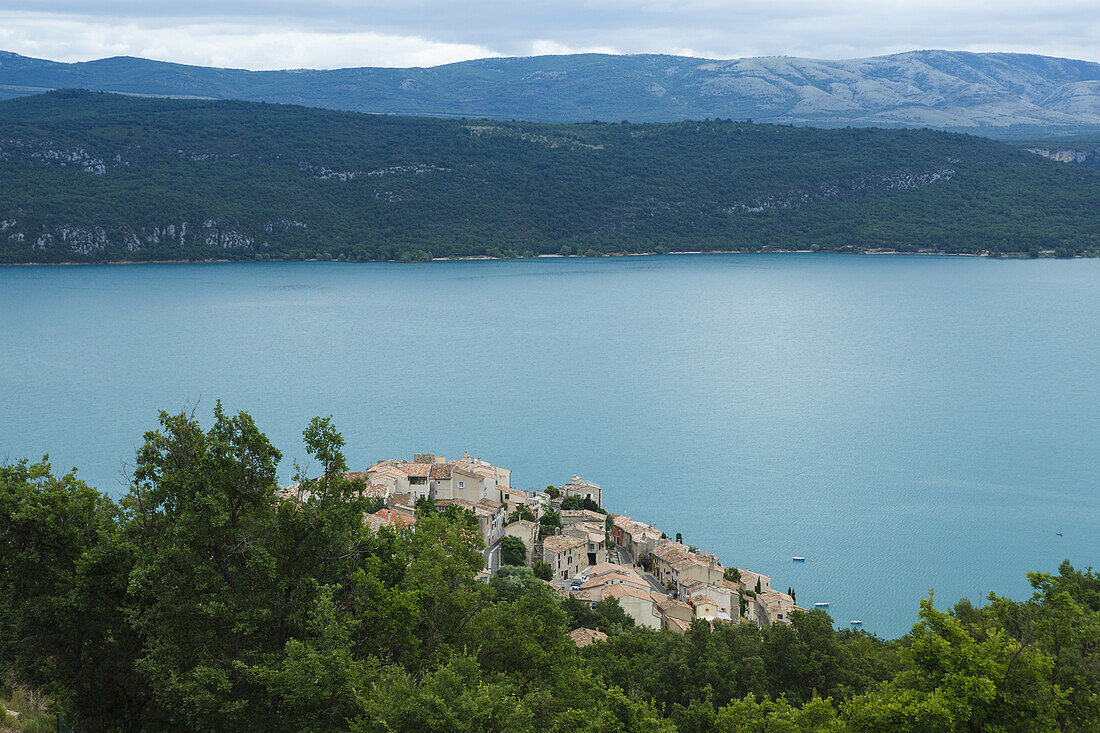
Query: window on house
{"x": 462, "y": 484}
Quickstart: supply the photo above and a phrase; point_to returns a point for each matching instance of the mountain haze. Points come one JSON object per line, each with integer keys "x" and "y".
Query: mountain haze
{"x": 994, "y": 94}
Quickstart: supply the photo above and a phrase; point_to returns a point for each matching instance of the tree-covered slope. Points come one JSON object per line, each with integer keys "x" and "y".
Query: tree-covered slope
{"x": 99, "y": 177}
{"x": 993, "y": 94}
{"x": 208, "y": 599}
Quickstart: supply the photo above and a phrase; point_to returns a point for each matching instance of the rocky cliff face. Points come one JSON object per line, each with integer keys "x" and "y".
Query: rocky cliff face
{"x": 87, "y": 241}
{"x": 1081, "y": 156}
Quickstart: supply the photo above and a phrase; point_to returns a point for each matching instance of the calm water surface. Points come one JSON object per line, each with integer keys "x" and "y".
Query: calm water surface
{"x": 906, "y": 423}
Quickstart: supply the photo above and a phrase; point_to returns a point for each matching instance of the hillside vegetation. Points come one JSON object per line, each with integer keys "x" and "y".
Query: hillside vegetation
{"x": 206, "y": 600}
{"x": 995, "y": 94}
{"x": 96, "y": 177}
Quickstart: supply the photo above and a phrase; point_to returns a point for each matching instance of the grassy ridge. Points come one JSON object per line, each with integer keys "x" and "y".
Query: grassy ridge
{"x": 97, "y": 177}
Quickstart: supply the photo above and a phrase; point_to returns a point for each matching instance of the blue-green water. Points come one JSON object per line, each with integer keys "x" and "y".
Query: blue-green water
{"x": 906, "y": 423}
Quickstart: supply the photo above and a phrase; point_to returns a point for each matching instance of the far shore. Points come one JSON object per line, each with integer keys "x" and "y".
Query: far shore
{"x": 1018, "y": 256}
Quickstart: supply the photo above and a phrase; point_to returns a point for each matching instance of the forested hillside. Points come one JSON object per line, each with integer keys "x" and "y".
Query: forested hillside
{"x": 91, "y": 177}
{"x": 208, "y": 600}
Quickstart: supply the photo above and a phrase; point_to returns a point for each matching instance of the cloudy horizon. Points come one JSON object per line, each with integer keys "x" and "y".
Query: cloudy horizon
{"x": 276, "y": 34}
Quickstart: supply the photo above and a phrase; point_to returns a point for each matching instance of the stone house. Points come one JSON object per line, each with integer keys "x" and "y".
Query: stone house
{"x": 594, "y": 535}
{"x": 583, "y": 637}
{"x": 711, "y": 601}
{"x": 639, "y": 604}
{"x": 577, "y": 486}
{"x": 389, "y": 517}
{"x": 566, "y": 555}
{"x": 637, "y": 538}
{"x": 773, "y": 607}
{"x": 526, "y": 531}
{"x": 749, "y": 580}
{"x": 489, "y": 513}
{"x": 572, "y": 516}
{"x": 675, "y": 564}
{"x": 675, "y": 615}
{"x": 634, "y": 593}
{"x": 432, "y": 476}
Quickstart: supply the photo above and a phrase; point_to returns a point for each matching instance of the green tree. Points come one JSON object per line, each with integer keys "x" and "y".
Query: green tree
{"x": 521, "y": 512}
{"x": 543, "y": 571}
{"x": 581, "y": 502}
{"x": 549, "y": 521}
{"x": 513, "y": 551}
{"x": 64, "y": 570}
{"x": 250, "y": 577}
{"x": 951, "y": 680}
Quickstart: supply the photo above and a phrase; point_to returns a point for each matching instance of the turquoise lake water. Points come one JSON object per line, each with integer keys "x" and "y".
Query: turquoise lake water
{"x": 906, "y": 423}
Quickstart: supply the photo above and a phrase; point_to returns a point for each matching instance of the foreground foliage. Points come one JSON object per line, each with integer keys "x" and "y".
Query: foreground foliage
{"x": 96, "y": 177}
{"x": 204, "y": 600}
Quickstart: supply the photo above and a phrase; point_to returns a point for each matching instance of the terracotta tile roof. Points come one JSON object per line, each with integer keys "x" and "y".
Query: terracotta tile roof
{"x": 440, "y": 471}
{"x": 749, "y": 578}
{"x": 375, "y": 491}
{"x": 609, "y": 579}
{"x": 582, "y": 515}
{"x": 668, "y": 603}
{"x": 670, "y": 551}
{"x": 464, "y": 503}
{"x": 560, "y": 543}
{"x": 680, "y": 563}
{"x": 772, "y": 596}
{"x": 581, "y": 595}
{"x": 618, "y": 591}
{"x": 417, "y": 470}
{"x": 375, "y": 523}
{"x": 386, "y": 517}
{"x": 678, "y": 625}
{"x": 584, "y": 637}
{"x": 386, "y": 468}
{"x": 609, "y": 567}
{"x": 595, "y": 536}
{"x": 477, "y": 471}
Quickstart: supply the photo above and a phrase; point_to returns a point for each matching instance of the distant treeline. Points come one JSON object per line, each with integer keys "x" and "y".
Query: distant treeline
{"x": 204, "y": 600}
{"x": 89, "y": 177}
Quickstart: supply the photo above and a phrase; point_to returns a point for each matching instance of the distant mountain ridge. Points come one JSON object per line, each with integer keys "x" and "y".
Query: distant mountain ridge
{"x": 994, "y": 94}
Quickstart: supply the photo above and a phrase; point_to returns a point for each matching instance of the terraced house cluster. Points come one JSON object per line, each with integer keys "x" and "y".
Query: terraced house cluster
{"x": 590, "y": 554}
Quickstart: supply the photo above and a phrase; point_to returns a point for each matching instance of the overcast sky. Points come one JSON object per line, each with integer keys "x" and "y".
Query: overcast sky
{"x": 274, "y": 34}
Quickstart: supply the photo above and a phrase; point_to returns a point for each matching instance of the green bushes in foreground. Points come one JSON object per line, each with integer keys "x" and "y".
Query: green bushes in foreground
{"x": 204, "y": 600}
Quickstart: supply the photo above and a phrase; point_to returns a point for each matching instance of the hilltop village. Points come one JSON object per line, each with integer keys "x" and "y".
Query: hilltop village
{"x": 573, "y": 544}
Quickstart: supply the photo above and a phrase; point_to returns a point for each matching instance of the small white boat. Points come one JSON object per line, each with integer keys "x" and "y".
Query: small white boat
{"x": 856, "y": 623}
{"x": 797, "y": 558}
{"x": 824, "y": 604}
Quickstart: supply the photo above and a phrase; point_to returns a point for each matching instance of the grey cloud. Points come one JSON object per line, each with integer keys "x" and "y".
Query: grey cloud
{"x": 712, "y": 28}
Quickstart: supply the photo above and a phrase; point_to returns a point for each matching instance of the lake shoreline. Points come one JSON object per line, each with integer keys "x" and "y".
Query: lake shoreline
{"x": 469, "y": 258}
